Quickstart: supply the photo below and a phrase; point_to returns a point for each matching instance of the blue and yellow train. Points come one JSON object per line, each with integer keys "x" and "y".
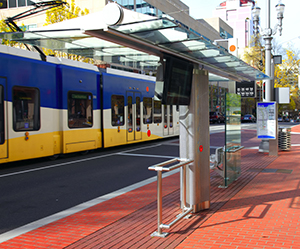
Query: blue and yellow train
{"x": 58, "y": 106}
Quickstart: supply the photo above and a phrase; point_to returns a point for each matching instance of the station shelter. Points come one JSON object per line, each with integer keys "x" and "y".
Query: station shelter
{"x": 125, "y": 38}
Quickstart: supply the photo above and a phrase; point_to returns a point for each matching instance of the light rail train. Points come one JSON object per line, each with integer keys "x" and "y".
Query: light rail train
{"x": 58, "y": 106}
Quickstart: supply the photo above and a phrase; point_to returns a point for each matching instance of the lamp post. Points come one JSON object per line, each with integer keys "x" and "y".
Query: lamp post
{"x": 270, "y": 146}
{"x": 267, "y": 34}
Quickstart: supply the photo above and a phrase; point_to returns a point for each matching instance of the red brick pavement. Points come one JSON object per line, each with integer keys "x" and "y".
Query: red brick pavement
{"x": 264, "y": 214}
{"x": 259, "y": 210}
{"x": 296, "y": 128}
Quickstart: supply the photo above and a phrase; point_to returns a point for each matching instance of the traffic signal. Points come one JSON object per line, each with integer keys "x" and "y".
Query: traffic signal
{"x": 264, "y": 90}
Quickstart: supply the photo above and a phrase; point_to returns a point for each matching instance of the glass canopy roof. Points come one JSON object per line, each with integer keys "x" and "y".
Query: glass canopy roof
{"x": 141, "y": 45}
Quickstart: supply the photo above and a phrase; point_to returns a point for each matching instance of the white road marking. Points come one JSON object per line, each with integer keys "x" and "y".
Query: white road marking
{"x": 144, "y": 155}
{"x": 72, "y": 162}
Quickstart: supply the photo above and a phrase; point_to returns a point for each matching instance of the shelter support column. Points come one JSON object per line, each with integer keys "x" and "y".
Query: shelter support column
{"x": 195, "y": 142}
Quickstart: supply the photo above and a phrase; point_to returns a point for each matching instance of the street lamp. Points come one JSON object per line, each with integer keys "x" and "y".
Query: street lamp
{"x": 267, "y": 36}
{"x": 270, "y": 146}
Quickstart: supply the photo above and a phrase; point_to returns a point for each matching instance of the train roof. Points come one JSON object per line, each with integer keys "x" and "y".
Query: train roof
{"x": 50, "y": 59}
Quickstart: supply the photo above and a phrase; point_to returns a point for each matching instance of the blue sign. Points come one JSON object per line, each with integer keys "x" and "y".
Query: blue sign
{"x": 266, "y": 120}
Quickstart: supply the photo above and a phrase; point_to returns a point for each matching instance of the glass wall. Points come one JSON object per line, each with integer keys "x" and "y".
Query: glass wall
{"x": 233, "y": 146}
{"x": 217, "y": 98}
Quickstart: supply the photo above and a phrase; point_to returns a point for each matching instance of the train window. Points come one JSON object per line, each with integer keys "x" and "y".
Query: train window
{"x": 80, "y": 109}
{"x": 171, "y": 116}
{"x": 157, "y": 112}
{"x": 2, "y": 137}
{"x": 147, "y": 113}
{"x": 138, "y": 113}
{"x": 117, "y": 110}
{"x": 26, "y": 109}
{"x": 165, "y": 116}
{"x": 129, "y": 103}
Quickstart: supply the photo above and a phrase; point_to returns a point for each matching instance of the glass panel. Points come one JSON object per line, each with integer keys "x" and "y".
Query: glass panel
{"x": 147, "y": 26}
{"x": 21, "y": 3}
{"x": 3, "y": 4}
{"x": 12, "y": 3}
{"x": 138, "y": 113}
{"x": 157, "y": 112}
{"x": 80, "y": 110}
{"x": 117, "y": 110}
{"x": 147, "y": 102}
{"x": 233, "y": 146}
{"x": 26, "y": 109}
{"x": 162, "y": 32}
{"x": 2, "y": 126}
{"x": 129, "y": 103}
{"x": 29, "y": 3}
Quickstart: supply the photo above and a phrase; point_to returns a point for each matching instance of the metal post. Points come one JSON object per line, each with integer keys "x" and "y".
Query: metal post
{"x": 194, "y": 143}
{"x": 159, "y": 232}
{"x": 184, "y": 187}
{"x": 268, "y": 44}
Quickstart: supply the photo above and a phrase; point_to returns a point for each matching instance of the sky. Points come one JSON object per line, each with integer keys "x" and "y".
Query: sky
{"x": 291, "y": 21}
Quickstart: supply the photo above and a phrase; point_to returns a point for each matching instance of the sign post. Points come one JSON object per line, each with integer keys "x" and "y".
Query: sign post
{"x": 267, "y": 127}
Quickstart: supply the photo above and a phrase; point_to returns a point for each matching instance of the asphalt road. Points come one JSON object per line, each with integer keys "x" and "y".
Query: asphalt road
{"x": 34, "y": 189}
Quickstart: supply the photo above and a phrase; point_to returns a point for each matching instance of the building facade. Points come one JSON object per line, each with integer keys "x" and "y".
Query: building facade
{"x": 237, "y": 14}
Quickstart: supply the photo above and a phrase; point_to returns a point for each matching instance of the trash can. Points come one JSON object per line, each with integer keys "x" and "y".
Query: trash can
{"x": 284, "y": 138}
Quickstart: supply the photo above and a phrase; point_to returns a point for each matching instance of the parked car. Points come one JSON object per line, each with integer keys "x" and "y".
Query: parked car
{"x": 248, "y": 118}
{"x": 280, "y": 119}
{"x": 216, "y": 117}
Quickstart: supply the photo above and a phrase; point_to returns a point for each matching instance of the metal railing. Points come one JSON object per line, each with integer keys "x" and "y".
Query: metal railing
{"x": 186, "y": 210}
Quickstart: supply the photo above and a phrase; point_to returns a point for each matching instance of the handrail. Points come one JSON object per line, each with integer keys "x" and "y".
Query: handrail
{"x": 160, "y": 168}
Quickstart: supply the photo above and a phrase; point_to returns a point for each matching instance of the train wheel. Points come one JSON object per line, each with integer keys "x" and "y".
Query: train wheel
{"x": 84, "y": 152}
{"x": 54, "y": 157}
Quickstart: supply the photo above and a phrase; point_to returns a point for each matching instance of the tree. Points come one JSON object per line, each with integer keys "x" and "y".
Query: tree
{"x": 285, "y": 74}
{"x": 64, "y": 12}
{"x": 5, "y": 28}
{"x": 255, "y": 55}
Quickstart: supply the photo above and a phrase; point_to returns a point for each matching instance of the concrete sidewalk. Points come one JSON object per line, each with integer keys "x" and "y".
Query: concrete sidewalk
{"x": 260, "y": 210}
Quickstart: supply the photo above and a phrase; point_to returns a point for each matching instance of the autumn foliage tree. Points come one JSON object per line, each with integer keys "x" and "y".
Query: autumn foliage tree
{"x": 285, "y": 75}
{"x": 64, "y": 12}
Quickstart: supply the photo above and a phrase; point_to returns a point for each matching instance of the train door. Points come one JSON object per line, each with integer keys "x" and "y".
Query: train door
{"x": 133, "y": 116}
{"x": 168, "y": 120}
{"x": 3, "y": 120}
